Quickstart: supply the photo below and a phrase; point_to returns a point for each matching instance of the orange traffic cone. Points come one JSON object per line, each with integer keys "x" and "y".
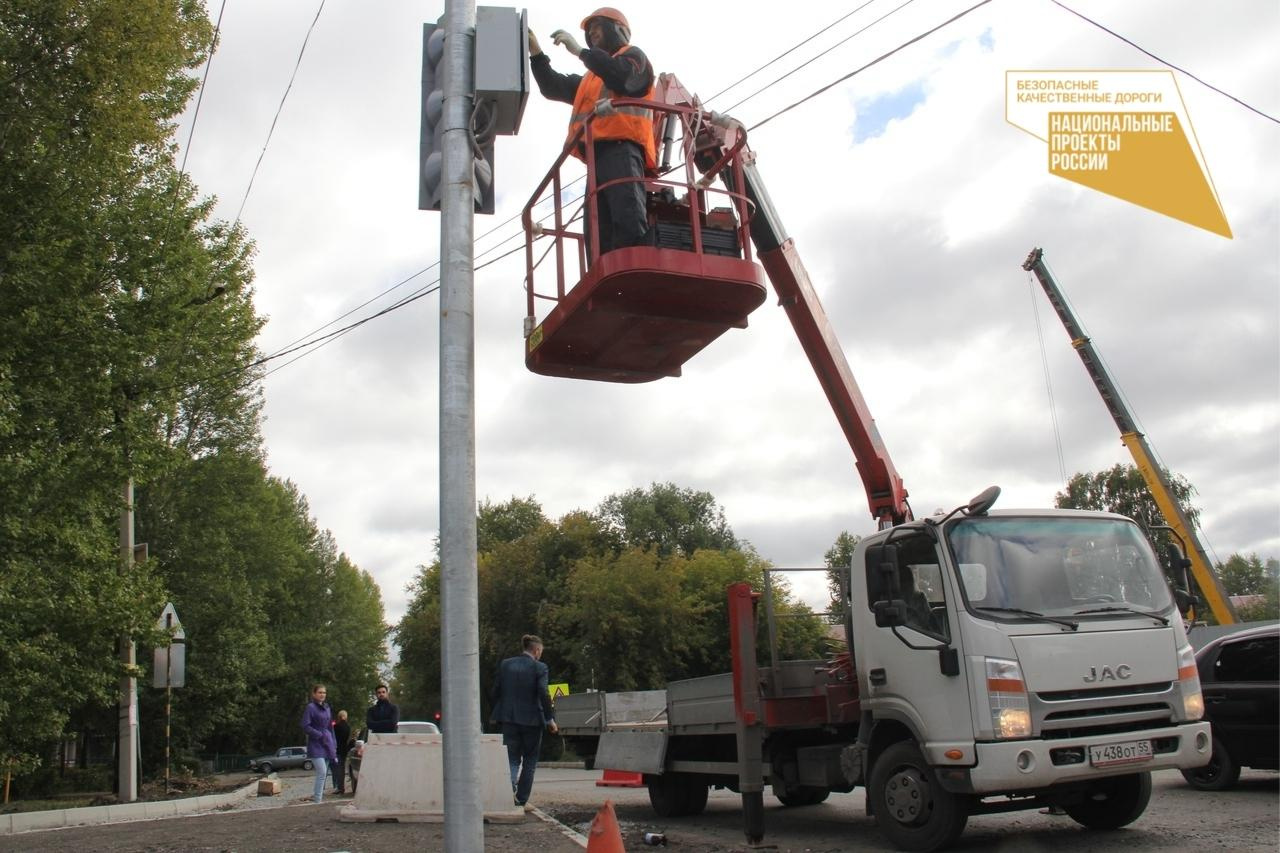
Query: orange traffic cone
{"x": 604, "y": 835}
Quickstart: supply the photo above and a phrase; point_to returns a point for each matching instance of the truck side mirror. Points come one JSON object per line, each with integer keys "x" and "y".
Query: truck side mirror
{"x": 889, "y": 613}
{"x": 1186, "y": 600}
{"x": 882, "y": 572}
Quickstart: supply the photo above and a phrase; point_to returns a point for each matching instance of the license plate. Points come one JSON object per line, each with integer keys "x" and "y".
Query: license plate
{"x": 1128, "y": 752}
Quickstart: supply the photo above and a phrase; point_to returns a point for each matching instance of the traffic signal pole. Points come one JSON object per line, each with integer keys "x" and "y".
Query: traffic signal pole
{"x": 460, "y": 641}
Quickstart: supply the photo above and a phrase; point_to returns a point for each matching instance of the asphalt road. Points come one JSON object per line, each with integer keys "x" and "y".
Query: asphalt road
{"x": 1179, "y": 818}
{"x": 1246, "y": 818}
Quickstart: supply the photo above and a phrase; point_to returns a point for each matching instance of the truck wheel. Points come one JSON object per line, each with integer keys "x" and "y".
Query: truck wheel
{"x": 1112, "y": 803}
{"x": 695, "y": 797}
{"x": 802, "y": 795}
{"x": 913, "y": 810}
{"x": 307, "y": 765}
{"x": 677, "y": 795}
{"x": 1218, "y": 775}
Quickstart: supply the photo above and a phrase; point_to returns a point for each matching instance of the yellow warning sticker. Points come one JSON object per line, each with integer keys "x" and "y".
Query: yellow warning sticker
{"x": 558, "y": 690}
{"x": 534, "y": 340}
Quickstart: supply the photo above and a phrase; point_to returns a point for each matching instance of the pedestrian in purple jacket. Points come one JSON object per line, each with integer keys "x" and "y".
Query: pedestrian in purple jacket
{"x": 317, "y": 722}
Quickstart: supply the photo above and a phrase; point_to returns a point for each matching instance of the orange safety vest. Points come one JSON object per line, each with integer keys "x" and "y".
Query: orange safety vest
{"x": 633, "y": 123}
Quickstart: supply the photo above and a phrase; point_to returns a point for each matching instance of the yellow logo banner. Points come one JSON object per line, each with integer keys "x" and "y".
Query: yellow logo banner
{"x": 1124, "y": 133}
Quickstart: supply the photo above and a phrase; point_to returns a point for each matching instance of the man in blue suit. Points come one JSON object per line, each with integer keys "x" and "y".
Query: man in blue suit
{"x": 522, "y": 705}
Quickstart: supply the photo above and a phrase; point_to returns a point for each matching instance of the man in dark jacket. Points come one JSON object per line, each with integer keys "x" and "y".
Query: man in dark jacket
{"x": 383, "y": 716}
{"x": 624, "y": 140}
{"x": 522, "y": 705}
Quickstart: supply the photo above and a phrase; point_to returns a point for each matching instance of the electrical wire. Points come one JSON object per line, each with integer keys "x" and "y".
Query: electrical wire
{"x": 815, "y": 58}
{"x": 1165, "y": 62}
{"x": 875, "y": 61}
{"x": 204, "y": 81}
{"x": 789, "y": 50}
{"x": 279, "y": 109}
{"x": 323, "y": 340}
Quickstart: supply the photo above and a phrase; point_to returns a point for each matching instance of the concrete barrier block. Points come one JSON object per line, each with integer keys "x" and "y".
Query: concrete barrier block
{"x": 402, "y": 778}
{"x": 268, "y": 787}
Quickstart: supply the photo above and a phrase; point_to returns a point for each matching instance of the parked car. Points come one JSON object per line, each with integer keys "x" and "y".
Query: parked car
{"x": 285, "y": 758}
{"x": 1240, "y": 680}
{"x": 405, "y": 727}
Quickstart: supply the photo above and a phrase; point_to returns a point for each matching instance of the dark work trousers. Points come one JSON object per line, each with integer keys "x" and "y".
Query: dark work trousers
{"x": 523, "y": 743}
{"x": 339, "y": 767}
{"x": 623, "y": 218}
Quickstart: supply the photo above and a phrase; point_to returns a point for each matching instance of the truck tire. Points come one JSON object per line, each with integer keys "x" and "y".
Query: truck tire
{"x": 1112, "y": 803}
{"x": 912, "y": 809}
{"x": 802, "y": 795}
{"x": 677, "y": 795}
{"x": 1218, "y": 775}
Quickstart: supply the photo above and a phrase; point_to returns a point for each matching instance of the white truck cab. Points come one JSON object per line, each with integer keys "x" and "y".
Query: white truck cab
{"x": 1036, "y": 654}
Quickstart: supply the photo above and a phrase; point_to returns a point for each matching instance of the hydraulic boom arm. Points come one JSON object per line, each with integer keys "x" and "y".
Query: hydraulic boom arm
{"x": 886, "y": 495}
{"x": 1157, "y": 481}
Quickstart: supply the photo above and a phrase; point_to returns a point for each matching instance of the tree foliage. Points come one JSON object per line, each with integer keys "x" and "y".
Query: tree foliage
{"x": 838, "y": 559}
{"x": 1121, "y": 489}
{"x": 127, "y": 352}
{"x": 624, "y": 599}
{"x": 1246, "y": 574}
{"x": 668, "y": 518}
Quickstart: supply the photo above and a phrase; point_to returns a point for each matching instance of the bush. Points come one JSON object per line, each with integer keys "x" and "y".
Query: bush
{"x": 48, "y": 782}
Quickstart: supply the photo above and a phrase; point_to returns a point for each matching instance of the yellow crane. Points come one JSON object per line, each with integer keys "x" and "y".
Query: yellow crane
{"x": 1211, "y": 589}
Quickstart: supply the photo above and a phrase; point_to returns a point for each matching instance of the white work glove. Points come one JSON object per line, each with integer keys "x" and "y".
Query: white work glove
{"x": 604, "y": 107}
{"x": 565, "y": 38}
{"x": 534, "y": 47}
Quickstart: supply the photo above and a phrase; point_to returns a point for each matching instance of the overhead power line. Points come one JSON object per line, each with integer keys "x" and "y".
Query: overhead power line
{"x": 204, "y": 80}
{"x": 308, "y": 344}
{"x": 790, "y": 50}
{"x": 875, "y": 61}
{"x": 279, "y": 109}
{"x": 813, "y": 59}
{"x": 1165, "y": 62}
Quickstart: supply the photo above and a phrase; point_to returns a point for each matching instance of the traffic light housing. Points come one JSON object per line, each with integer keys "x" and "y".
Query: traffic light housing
{"x": 499, "y": 89}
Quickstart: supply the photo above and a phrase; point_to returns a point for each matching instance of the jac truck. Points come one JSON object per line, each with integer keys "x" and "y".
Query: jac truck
{"x": 995, "y": 659}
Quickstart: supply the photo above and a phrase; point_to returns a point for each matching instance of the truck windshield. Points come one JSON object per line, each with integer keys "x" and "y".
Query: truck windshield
{"x": 1061, "y": 567}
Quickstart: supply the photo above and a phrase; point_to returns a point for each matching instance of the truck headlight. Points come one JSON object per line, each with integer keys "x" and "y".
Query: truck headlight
{"x": 1007, "y": 695}
{"x": 1189, "y": 680}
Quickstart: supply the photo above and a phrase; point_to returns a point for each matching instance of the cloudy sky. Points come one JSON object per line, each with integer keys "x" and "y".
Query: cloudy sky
{"x": 913, "y": 203}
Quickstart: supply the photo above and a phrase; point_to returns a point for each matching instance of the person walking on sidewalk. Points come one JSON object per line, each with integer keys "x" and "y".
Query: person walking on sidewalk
{"x": 523, "y": 706}
{"x": 317, "y": 722}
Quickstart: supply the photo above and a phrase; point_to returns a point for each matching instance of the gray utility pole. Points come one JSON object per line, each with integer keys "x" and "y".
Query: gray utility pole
{"x": 460, "y": 641}
{"x": 127, "y": 739}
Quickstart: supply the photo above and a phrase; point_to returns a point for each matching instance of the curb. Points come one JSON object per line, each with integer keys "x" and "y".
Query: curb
{"x": 19, "y": 822}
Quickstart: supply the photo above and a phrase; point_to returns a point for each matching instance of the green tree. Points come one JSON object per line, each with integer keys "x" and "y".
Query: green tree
{"x": 1121, "y": 489}
{"x": 1243, "y": 574}
{"x": 103, "y": 255}
{"x": 668, "y": 518}
{"x": 838, "y": 559}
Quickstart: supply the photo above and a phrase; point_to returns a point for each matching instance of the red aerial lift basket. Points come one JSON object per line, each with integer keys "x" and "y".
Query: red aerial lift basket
{"x": 639, "y": 313}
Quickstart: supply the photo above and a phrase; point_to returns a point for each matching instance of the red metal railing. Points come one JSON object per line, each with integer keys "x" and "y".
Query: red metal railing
{"x": 693, "y": 124}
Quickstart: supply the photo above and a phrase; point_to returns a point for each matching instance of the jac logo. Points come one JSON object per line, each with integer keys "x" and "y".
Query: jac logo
{"x": 1108, "y": 673}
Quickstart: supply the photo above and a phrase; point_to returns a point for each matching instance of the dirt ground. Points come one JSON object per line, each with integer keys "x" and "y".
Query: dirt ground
{"x": 290, "y": 829}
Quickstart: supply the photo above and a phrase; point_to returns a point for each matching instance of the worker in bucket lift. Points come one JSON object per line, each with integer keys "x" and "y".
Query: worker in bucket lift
{"x": 624, "y": 140}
